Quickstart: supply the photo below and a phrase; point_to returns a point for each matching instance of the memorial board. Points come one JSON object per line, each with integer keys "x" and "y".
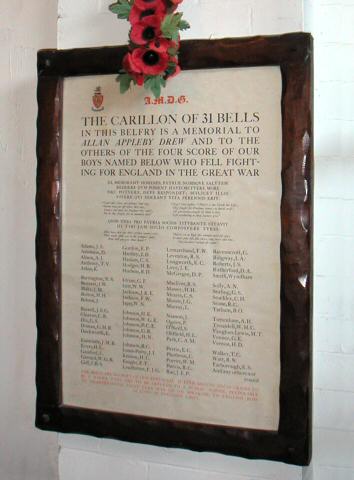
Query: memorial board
{"x": 173, "y": 249}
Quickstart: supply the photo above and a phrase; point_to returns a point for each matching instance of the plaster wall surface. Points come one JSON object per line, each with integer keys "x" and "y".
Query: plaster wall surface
{"x": 25, "y": 453}
{"x": 85, "y": 23}
{"x": 332, "y": 26}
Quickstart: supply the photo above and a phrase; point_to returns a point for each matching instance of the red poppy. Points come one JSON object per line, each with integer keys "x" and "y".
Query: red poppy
{"x": 145, "y": 31}
{"x": 129, "y": 64}
{"x": 137, "y": 14}
{"x": 146, "y": 4}
{"x": 150, "y": 62}
{"x": 161, "y": 44}
{"x": 130, "y": 67}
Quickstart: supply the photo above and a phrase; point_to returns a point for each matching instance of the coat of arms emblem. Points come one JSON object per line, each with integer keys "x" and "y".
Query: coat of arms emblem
{"x": 97, "y": 100}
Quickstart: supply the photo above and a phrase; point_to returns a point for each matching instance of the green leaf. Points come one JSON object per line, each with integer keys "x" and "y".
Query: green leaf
{"x": 147, "y": 80}
{"x": 171, "y": 69}
{"x": 172, "y": 51}
{"x": 121, "y": 8}
{"x": 124, "y": 80}
{"x": 156, "y": 89}
{"x": 154, "y": 83}
{"x": 184, "y": 25}
{"x": 114, "y": 7}
{"x": 170, "y": 26}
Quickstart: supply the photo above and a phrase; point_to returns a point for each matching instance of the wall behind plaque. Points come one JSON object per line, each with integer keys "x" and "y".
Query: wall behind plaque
{"x": 332, "y": 26}
{"x": 25, "y": 453}
{"x": 89, "y": 23}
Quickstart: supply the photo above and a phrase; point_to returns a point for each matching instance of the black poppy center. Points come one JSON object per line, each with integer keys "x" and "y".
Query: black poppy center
{"x": 151, "y": 58}
{"x": 149, "y": 1}
{"x": 147, "y": 13}
{"x": 149, "y": 33}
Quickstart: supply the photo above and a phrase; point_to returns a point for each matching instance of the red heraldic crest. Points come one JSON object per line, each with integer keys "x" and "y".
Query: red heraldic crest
{"x": 97, "y": 100}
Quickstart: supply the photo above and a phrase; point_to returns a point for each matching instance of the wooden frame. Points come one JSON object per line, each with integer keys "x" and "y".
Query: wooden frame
{"x": 292, "y": 442}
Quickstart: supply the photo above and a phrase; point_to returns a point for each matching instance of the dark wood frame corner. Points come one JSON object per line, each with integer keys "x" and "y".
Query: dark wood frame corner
{"x": 292, "y": 442}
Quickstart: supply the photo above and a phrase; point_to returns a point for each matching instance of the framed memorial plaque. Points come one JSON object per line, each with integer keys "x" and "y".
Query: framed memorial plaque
{"x": 174, "y": 249}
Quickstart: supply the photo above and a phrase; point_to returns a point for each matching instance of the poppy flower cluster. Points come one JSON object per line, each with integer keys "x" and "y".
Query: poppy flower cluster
{"x": 154, "y": 42}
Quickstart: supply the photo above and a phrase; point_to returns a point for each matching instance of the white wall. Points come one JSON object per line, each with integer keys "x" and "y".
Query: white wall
{"x": 85, "y": 23}
{"x": 89, "y": 23}
{"x": 25, "y": 26}
{"x": 333, "y": 22}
